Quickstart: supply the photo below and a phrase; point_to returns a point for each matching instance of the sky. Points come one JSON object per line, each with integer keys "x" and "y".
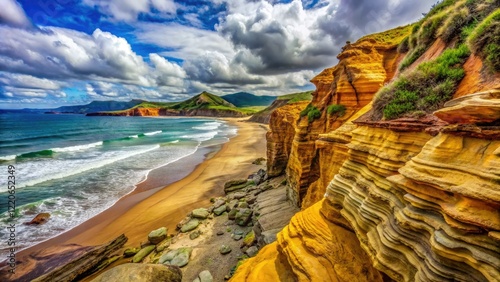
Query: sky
{"x": 68, "y": 52}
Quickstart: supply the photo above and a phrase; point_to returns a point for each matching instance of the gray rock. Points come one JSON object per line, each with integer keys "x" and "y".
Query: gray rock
{"x": 158, "y": 235}
{"x": 190, "y": 225}
{"x": 232, "y": 214}
{"x": 179, "y": 257}
{"x": 194, "y": 235}
{"x": 206, "y": 276}
{"x": 143, "y": 253}
{"x": 243, "y": 217}
{"x": 168, "y": 256}
{"x": 252, "y": 251}
{"x": 141, "y": 272}
{"x": 243, "y": 205}
{"x": 219, "y": 233}
{"x": 238, "y": 195}
{"x": 200, "y": 213}
{"x": 219, "y": 203}
{"x": 237, "y": 237}
{"x": 232, "y": 204}
{"x": 224, "y": 249}
{"x": 218, "y": 211}
{"x": 236, "y": 185}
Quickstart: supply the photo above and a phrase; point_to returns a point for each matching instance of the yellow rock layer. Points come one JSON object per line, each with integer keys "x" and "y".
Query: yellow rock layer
{"x": 310, "y": 248}
{"x": 424, "y": 208}
{"x": 283, "y": 124}
{"x": 363, "y": 68}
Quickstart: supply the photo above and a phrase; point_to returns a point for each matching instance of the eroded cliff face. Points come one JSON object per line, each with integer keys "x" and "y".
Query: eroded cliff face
{"x": 363, "y": 68}
{"x": 283, "y": 125}
{"x": 413, "y": 199}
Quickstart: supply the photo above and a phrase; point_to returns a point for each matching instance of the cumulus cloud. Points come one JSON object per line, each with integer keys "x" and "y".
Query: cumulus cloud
{"x": 13, "y": 14}
{"x": 129, "y": 10}
{"x": 57, "y": 53}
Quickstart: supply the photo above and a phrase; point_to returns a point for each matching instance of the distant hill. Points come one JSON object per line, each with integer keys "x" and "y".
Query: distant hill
{"x": 98, "y": 106}
{"x": 203, "y": 104}
{"x": 244, "y": 99}
{"x": 264, "y": 115}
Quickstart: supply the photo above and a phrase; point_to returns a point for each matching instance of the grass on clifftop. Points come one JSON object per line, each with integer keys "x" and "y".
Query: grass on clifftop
{"x": 450, "y": 20}
{"x": 425, "y": 89}
{"x": 484, "y": 40}
{"x": 390, "y": 37}
{"x": 297, "y": 97}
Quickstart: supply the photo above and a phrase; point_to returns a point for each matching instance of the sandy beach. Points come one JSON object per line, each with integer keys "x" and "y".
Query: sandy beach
{"x": 147, "y": 209}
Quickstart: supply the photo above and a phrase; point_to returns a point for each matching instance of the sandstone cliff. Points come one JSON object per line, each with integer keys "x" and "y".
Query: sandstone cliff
{"x": 415, "y": 198}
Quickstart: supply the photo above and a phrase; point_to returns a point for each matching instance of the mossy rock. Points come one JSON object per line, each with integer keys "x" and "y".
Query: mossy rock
{"x": 224, "y": 249}
{"x": 158, "y": 235}
{"x": 249, "y": 239}
{"x": 130, "y": 252}
{"x": 200, "y": 213}
{"x": 220, "y": 210}
{"x": 143, "y": 253}
{"x": 190, "y": 225}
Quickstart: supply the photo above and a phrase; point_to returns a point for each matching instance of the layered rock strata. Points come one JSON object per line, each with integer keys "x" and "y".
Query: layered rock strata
{"x": 363, "y": 68}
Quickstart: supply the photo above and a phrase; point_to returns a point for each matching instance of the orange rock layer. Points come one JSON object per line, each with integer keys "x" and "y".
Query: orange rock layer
{"x": 310, "y": 248}
{"x": 363, "y": 68}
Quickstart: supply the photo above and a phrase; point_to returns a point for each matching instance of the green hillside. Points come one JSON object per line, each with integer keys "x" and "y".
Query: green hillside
{"x": 244, "y": 99}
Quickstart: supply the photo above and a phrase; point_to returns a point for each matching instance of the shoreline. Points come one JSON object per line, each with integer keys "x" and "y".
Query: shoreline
{"x": 148, "y": 208}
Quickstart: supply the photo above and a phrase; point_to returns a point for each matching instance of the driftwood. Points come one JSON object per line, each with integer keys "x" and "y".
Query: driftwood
{"x": 84, "y": 263}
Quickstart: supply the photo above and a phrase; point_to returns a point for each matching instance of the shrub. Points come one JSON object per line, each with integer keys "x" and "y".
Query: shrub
{"x": 403, "y": 47}
{"x": 425, "y": 89}
{"x": 412, "y": 57}
{"x": 492, "y": 53}
{"x": 336, "y": 109}
{"x": 311, "y": 112}
{"x": 453, "y": 25}
{"x": 483, "y": 40}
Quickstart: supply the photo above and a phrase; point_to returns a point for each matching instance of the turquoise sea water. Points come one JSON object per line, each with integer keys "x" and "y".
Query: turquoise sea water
{"x": 74, "y": 166}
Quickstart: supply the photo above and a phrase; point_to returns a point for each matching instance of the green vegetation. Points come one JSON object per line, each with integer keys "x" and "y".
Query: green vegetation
{"x": 390, "y": 37}
{"x": 404, "y": 46}
{"x": 244, "y": 99}
{"x": 412, "y": 57}
{"x": 296, "y": 97}
{"x": 484, "y": 40}
{"x": 425, "y": 89}
{"x": 154, "y": 105}
{"x": 311, "y": 112}
{"x": 339, "y": 110}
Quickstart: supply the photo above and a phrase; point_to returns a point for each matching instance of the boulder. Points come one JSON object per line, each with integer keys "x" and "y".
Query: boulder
{"x": 238, "y": 195}
{"x": 158, "y": 235}
{"x": 243, "y": 217}
{"x": 190, "y": 225}
{"x": 232, "y": 214}
{"x": 252, "y": 251}
{"x": 259, "y": 177}
{"x": 200, "y": 213}
{"x": 194, "y": 235}
{"x": 143, "y": 253}
{"x": 236, "y": 185}
{"x": 179, "y": 257}
{"x": 40, "y": 218}
{"x": 219, "y": 203}
{"x": 218, "y": 211}
{"x": 141, "y": 272}
{"x": 205, "y": 276}
{"x": 224, "y": 249}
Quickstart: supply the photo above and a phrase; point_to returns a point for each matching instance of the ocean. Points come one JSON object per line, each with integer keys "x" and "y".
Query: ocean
{"x": 75, "y": 167}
